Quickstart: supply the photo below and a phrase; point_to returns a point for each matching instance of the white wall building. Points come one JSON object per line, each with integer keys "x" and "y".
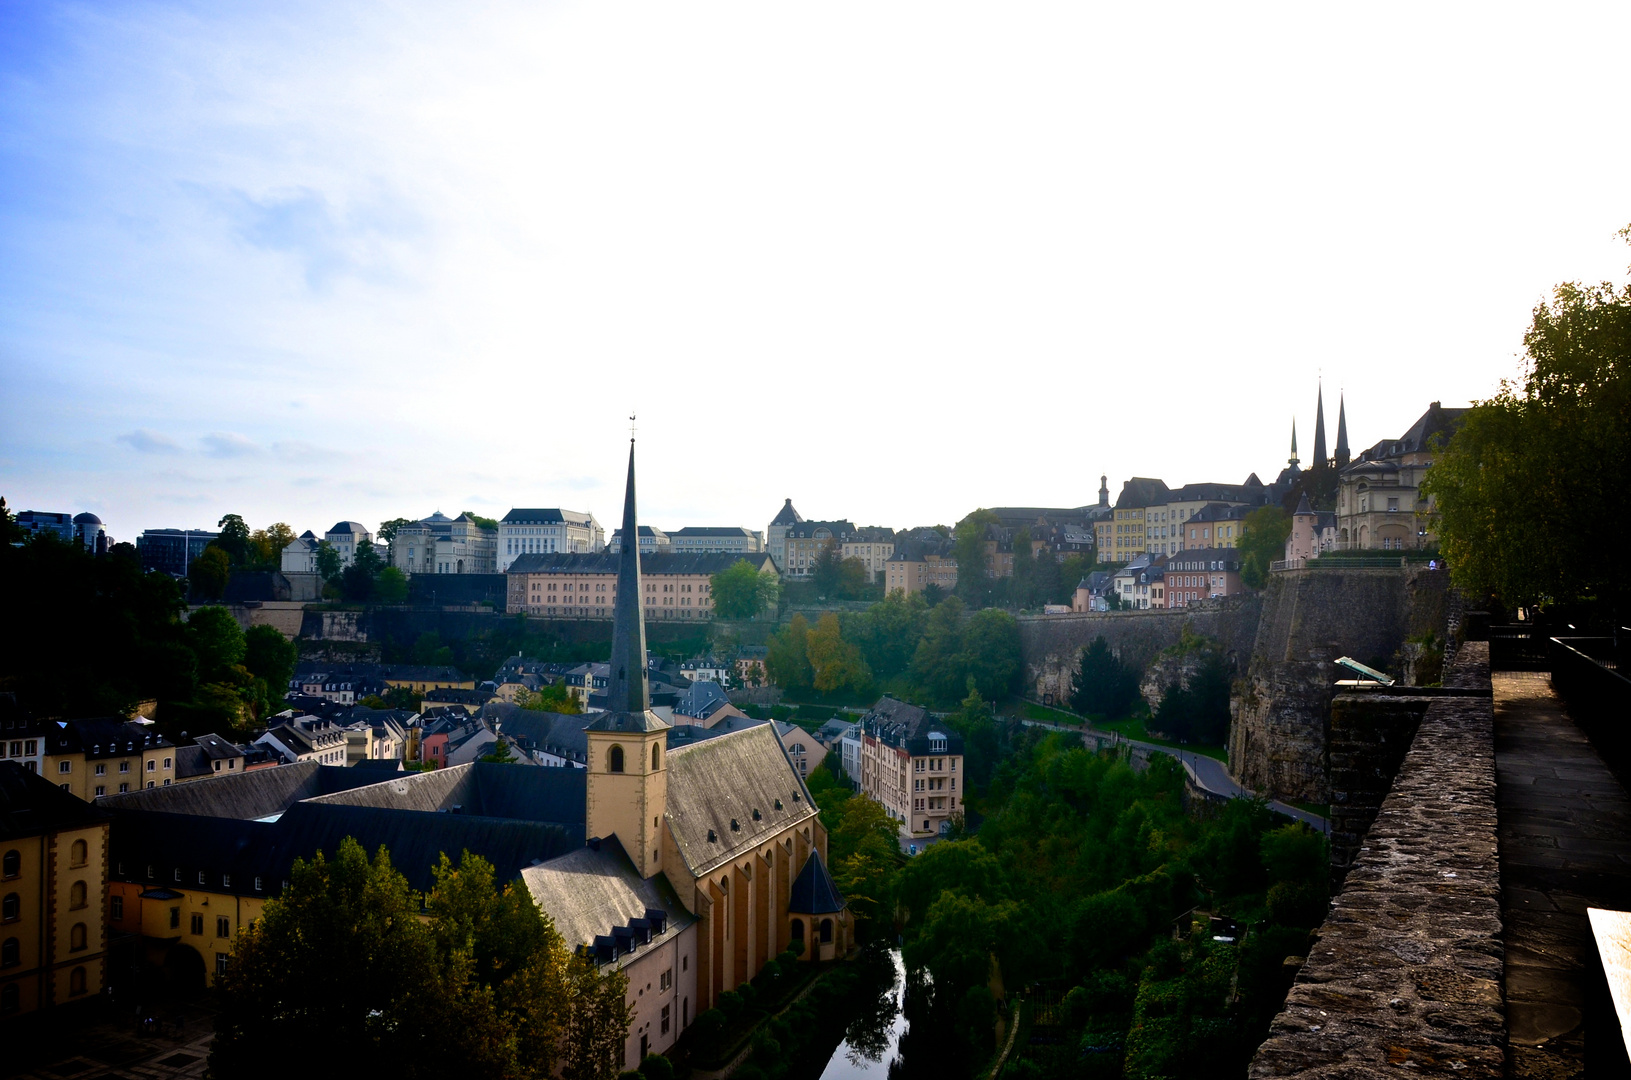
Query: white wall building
{"x": 344, "y": 538}
{"x": 529, "y": 532}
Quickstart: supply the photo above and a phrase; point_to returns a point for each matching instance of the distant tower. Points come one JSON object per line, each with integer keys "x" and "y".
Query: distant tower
{"x": 628, "y": 743}
{"x": 1319, "y": 430}
{"x": 1342, "y": 432}
{"x": 1291, "y": 462}
{"x": 1104, "y": 490}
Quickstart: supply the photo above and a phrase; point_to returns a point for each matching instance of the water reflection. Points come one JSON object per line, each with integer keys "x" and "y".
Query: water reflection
{"x": 871, "y": 1043}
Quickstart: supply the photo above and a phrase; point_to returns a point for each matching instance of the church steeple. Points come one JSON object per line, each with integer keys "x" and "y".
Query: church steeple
{"x": 628, "y": 689}
{"x": 1292, "y": 461}
{"x": 1319, "y": 430}
{"x": 1342, "y": 431}
{"x": 627, "y": 788}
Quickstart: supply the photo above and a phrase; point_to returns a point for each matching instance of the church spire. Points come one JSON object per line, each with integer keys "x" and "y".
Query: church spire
{"x": 628, "y": 689}
{"x": 1319, "y": 430}
{"x": 1342, "y": 430}
{"x": 1292, "y": 461}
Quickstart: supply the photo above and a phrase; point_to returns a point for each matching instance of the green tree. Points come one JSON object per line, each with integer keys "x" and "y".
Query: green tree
{"x": 500, "y": 754}
{"x": 328, "y": 561}
{"x": 344, "y": 941}
{"x": 234, "y": 539}
{"x": 787, "y": 660}
{"x": 968, "y": 547}
{"x": 598, "y": 1008}
{"x": 270, "y": 656}
{"x": 368, "y": 558}
{"x": 208, "y": 574}
{"x": 1522, "y": 487}
{"x": 990, "y": 654}
{"x": 742, "y": 592}
{"x": 1103, "y": 686}
{"x": 888, "y": 632}
{"x": 356, "y": 583}
{"x": 1262, "y": 541}
{"x": 218, "y": 642}
{"x": 835, "y": 664}
{"x": 481, "y": 522}
{"x": 387, "y": 529}
{"x": 266, "y": 545}
{"x": 391, "y": 587}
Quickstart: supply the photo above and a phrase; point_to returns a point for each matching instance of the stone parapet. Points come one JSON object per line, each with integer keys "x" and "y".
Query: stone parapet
{"x": 1407, "y": 970}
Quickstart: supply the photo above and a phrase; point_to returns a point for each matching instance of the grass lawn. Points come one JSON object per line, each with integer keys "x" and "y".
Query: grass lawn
{"x": 1033, "y": 711}
{"x": 1133, "y": 727}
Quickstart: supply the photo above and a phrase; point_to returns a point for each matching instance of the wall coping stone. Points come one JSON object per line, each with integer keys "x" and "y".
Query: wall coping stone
{"x": 1407, "y": 969}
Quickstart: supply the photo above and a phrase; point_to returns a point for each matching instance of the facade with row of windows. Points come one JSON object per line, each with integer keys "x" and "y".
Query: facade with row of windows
{"x": 97, "y": 757}
{"x": 912, "y": 765}
{"x": 585, "y": 586}
{"x": 53, "y": 894}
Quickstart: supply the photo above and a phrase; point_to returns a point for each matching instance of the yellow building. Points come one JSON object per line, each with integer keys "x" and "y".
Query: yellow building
{"x": 1125, "y": 534}
{"x": 53, "y": 893}
{"x": 93, "y": 758}
{"x": 422, "y": 678}
{"x": 917, "y": 564}
{"x": 913, "y": 766}
{"x": 871, "y": 547}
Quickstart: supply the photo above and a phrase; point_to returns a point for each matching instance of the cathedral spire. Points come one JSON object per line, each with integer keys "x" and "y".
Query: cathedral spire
{"x": 628, "y": 689}
{"x": 1342, "y": 430}
{"x": 1292, "y": 461}
{"x": 1319, "y": 430}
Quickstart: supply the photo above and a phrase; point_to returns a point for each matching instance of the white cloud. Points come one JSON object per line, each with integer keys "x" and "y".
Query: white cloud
{"x": 227, "y": 444}
{"x": 148, "y": 442}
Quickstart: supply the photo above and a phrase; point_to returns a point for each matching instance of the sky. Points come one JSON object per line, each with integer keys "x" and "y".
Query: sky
{"x": 306, "y": 262}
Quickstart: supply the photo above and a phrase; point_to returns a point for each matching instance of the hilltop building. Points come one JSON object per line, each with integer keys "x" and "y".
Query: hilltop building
{"x": 540, "y": 531}
{"x": 776, "y": 533}
{"x": 1380, "y": 503}
{"x": 443, "y": 545}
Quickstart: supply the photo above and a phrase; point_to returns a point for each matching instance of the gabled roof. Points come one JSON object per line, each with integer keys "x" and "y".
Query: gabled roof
{"x": 1142, "y": 491}
{"x": 547, "y": 516}
{"x": 787, "y": 515}
{"x": 813, "y": 891}
{"x": 713, "y": 782}
{"x": 592, "y": 890}
{"x": 256, "y": 794}
{"x": 31, "y": 805}
{"x": 481, "y": 788}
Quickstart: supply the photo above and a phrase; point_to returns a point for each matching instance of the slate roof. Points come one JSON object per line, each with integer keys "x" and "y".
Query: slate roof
{"x": 1203, "y": 559}
{"x": 1218, "y": 512}
{"x": 716, "y": 780}
{"x": 482, "y": 789}
{"x": 603, "y": 562}
{"x": 627, "y": 721}
{"x": 787, "y": 515}
{"x": 244, "y": 850}
{"x": 552, "y": 514}
{"x": 349, "y": 527}
{"x": 804, "y": 530}
{"x": 713, "y": 530}
{"x": 109, "y": 736}
{"x": 557, "y": 733}
{"x": 1141, "y": 491}
{"x": 31, "y": 805}
{"x": 255, "y": 794}
{"x": 590, "y": 891}
{"x": 813, "y": 891}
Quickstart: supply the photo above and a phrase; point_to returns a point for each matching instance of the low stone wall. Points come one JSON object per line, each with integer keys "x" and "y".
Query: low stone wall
{"x": 1406, "y": 974}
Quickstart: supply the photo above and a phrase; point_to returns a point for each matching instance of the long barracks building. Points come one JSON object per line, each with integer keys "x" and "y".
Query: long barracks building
{"x": 575, "y": 585}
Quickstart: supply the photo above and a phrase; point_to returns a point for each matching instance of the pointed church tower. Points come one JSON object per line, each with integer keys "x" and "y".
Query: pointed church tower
{"x": 1342, "y": 431}
{"x": 1104, "y": 490}
{"x": 1319, "y": 430}
{"x": 1291, "y": 462}
{"x": 628, "y": 743}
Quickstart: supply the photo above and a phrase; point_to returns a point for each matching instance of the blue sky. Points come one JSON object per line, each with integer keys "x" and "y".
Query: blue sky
{"x": 307, "y": 262}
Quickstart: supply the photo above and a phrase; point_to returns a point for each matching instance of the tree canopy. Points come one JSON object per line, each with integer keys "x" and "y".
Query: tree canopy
{"x": 1526, "y": 489}
{"x": 1262, "y": 541}
{"x": 741, "y": 592}
{"x": 341, "y": 970}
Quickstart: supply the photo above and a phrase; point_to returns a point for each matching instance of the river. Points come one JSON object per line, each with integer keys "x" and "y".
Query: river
{"x": 872, "y": 1040}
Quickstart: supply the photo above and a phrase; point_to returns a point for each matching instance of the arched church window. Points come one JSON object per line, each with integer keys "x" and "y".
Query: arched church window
{"x": 614, "y": 759}
{"x": 656, "y": 757}
{"x": 826, "y": 931}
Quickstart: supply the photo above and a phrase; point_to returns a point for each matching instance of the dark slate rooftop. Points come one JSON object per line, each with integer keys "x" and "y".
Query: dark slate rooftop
{"x": 786, "y": 515}
{"x": 31, "y": 805}
{"x": 591, "y": 891}
{"x": 552, "y": 514}
{"x": 245, "y": 795}
{"x": 1141, "y": 491}
{"x": 716, "y": 781}
{"x": 480, "y": 788}
{"x": 813, "y": 891}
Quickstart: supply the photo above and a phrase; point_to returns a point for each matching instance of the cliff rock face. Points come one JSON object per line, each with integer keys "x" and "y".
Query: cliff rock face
{"x": 1051, "y": 645}
{"x": 1281, "y": 709}
{"x": 1178, "y": 666}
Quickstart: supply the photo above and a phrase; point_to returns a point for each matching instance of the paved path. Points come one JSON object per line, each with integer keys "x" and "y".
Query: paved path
{"x": 1207, "y": 772}
{"x": 1565, "y": 841}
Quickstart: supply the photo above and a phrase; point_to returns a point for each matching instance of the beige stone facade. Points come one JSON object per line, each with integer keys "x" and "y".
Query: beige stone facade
{"x": 93, "y": 758}
{"x": 912, "y": 765}
{"x": 585, "y": 586}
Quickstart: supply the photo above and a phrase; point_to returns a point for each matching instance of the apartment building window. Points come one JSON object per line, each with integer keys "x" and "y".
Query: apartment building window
{"x": 665, "y": 1019}
{"x": 220, "y": 963}
{"x": 63, "y": 766}
{"x": 223, "y": 926}
{"x": 122, "y": 788}
{"x": 101, "y": 769}
{"x": 124, "y": 766}
{"x": 196, "y": 924}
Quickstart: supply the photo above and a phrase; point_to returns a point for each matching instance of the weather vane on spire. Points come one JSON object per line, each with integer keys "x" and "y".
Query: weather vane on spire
{"x": 631, "y": 427}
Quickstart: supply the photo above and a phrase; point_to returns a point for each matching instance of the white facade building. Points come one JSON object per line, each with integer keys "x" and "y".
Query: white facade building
{"x": 530, "y": 532}
{"x": 344, "y": 538}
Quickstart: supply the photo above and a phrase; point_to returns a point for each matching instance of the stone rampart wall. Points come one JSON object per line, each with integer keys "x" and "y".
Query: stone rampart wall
{"x": 1277, "y": 740}
{"x": 1405, "y": 978}
{"x": 1051, "y": 645}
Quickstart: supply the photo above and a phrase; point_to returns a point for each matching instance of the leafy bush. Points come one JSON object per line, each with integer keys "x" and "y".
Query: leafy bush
{"x": 730, "y": 1003}
{"x": 657, "y": 1067}
{"x": 707, "y": 1026}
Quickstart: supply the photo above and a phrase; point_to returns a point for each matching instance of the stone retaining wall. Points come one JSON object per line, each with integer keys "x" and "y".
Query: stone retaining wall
{"x": 1406, "y": 973}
